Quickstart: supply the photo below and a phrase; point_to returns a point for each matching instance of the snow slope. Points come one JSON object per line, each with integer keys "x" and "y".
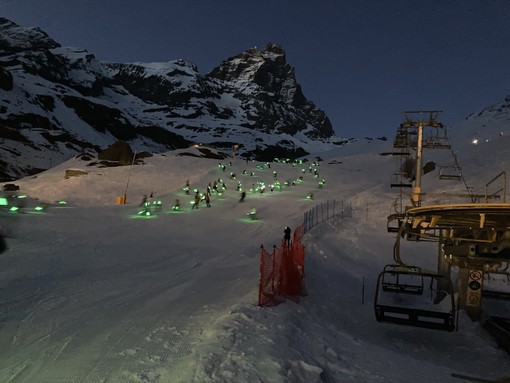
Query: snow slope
{"x": 93, "y": 292}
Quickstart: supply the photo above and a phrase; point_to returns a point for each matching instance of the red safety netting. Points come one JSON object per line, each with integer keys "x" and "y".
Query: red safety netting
{"x": 282, "y": 271}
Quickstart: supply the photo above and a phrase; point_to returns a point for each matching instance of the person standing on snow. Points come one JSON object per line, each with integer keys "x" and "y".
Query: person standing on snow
{"x": 286, "y": 236}
{"x": 197, "y": 201}
{"x": 3, "y": 244}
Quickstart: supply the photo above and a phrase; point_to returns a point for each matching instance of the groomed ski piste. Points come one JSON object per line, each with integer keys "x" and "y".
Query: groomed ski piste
{"x": 93, "y": 291}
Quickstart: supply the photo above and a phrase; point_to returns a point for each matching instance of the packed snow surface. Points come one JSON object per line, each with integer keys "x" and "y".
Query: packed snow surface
{"x": 94, "y": 292}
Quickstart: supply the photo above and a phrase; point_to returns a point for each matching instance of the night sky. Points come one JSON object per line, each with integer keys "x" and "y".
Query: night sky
{"x": 362, "y": 62}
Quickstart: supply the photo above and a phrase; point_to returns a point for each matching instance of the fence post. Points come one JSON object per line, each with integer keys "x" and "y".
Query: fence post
{"x": 322, "y": 213}
{"x": 274, "y": 266}
{"x": 261, "y": 273}
{"x": 363, "y": 292}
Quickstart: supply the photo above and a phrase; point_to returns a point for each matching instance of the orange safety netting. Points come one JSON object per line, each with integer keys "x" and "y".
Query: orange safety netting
{"x": 282, "y": 271}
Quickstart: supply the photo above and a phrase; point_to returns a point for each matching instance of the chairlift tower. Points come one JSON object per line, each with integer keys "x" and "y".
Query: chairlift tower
{"x": 410, "y": 137}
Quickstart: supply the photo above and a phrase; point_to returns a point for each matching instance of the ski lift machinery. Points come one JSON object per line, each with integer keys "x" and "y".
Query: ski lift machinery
{"x": 475, "y": 237}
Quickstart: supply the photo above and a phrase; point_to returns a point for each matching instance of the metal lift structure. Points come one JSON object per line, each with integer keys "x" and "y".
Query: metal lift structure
{"x": 473, "y": 238}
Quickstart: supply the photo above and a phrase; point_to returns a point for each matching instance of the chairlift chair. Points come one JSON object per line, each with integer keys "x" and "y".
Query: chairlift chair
{"x": 449, "y": 172}
{"x": 400, "y": 298}
{"x": 437, "y": 141}
{"x": 402, "y": 138}
{"x": 401, "y": 181}
{"x": 401, "y": 185}
{"x": 402, "y": 279}
{"x": 394, "y": 222}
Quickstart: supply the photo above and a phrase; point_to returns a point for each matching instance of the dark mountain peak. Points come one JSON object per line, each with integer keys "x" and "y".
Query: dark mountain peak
{"x": 269, "y": 81}
{"x": 276, "y": 53}
{"x": 275, "y": 48}
{"x": 14, "y": 38}
{"x": 254, "y": 65}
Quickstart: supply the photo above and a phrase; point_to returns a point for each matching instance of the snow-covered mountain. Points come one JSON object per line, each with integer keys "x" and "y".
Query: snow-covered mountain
{"x": 59, "y": 101}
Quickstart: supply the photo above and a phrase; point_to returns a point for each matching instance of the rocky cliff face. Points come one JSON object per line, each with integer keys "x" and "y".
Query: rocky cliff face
{"x": 56, "y": 102}
{"x": 279, "y": 102}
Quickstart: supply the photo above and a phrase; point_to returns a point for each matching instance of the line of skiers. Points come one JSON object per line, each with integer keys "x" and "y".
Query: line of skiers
{"x": 219, "y": 185}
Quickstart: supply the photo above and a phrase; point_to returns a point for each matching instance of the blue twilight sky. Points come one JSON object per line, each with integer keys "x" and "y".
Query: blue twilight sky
{"x": 363, "y": 62}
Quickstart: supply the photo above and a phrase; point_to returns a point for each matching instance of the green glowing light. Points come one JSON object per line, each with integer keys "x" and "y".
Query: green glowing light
{"x": 14, "y": 209}
{"x": 62, "y": 202}
{"x": 248, "y": 220}
{"x": 3, "y": 201}
{"x": 143, "y": 216}
{"x": 39, "y": 208}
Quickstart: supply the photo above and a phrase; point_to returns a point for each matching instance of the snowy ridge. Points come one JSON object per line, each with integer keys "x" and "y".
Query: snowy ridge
{"x": 14, "y": 37}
